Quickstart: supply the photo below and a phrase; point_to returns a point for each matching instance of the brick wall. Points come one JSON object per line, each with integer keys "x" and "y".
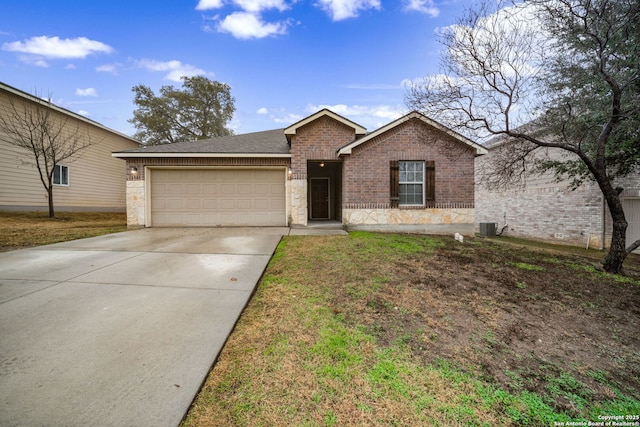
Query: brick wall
{"x": 140, "y": 163}
{"x": 366, "y": 170}
{"x": 542, "y": 209}
{"x": 318, "y": 140}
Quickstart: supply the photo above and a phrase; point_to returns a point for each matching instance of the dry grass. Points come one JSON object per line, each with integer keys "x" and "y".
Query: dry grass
{"x": 372, "y": 329}
{"x": 26, "y": 229}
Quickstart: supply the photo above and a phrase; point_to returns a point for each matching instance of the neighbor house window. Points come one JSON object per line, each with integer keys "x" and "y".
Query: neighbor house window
{"x": 60, "y": 175}
{"x": 411, "y": 180}
{"x": 412, "y": 183}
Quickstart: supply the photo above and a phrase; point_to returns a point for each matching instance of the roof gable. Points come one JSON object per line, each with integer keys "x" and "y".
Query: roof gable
{"x": 292, "y": 130}
{"x": 346, "y": 149}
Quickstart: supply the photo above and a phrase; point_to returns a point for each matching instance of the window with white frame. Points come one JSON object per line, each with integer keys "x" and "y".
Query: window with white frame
{"x": 61, "y": 175}
{"x": 411, "y": 180}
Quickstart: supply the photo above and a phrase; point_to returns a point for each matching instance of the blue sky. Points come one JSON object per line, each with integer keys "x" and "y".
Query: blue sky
{"x": 284, "y": 59}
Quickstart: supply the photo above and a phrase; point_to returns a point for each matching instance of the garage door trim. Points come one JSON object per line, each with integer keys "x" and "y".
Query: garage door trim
{"x": 149, "y": 177}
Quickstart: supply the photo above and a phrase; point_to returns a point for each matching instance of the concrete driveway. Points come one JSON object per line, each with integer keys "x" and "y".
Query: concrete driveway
{"x": 121, "y": 330}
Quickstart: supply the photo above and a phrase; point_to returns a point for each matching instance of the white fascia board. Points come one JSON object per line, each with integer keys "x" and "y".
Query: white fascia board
{"x": 122, "y": 155}
{"x": 292, "y": 130}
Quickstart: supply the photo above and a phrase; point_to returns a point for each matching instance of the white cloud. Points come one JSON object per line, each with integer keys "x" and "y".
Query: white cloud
{"x": 209, "y": 4}
{"x": 109, "y": 68}
{"x": 86, "y": 92}
{"x": 256, "y": 6}
{"x": 38, "y": 61}
{"x": 287, "y": 119}
{"x": 175, "y": 69}
{"x": 386, "y": 112}
{"x": 70, "y": 67}
{"x": 244, "y": 25}
{"x": 423, "y": 6}
{"x": 262, "y": 111}
{"x": 344, "y": 9}
{"x": 84, "y": 113}
{"x": 56, "y": 48}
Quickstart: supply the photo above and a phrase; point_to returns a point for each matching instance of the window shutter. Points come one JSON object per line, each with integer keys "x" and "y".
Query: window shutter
{"x": 430, "y": 180}
{"x": 395, "y": 183}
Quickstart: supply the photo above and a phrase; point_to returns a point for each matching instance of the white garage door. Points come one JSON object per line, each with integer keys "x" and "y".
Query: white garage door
{"x": 217, "y": 197}
{"x": 632, "y": 214}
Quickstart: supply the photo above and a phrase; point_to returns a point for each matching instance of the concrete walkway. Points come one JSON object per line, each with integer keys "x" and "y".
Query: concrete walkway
{"x": 121, "y": 330}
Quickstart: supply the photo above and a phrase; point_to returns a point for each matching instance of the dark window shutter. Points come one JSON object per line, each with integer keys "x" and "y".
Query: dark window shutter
{"x": 429, "y": 180}
{"x": 395, "y": 183}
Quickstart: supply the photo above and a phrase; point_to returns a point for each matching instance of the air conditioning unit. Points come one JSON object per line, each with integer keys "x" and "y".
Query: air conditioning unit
{"x": 488, "y": 228}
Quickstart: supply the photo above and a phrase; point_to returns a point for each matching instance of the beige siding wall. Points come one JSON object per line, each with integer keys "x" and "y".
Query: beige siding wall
{"x": 96, "y": 179}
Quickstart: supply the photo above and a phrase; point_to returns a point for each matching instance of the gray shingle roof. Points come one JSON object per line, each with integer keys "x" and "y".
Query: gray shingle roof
{"x": 265, "y": 142}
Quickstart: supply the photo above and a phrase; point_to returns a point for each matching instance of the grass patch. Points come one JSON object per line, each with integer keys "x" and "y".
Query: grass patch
{"x": 525, "y": 266}
{"x": 28, "y": 229}
{"x": 391, "y": 329}
{"x": 593, "y": 271}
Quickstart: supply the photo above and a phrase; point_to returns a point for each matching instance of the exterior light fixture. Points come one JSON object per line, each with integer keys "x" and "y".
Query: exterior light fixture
{"x": 134, "y": 170}
{"x": 321, "y": 164}
{"x": 290, "y": 172}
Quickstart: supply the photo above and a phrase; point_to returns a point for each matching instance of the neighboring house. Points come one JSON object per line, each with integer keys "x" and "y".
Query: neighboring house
{"x": 91, "y": 181}
{"x": 413, "y": 174}
{"x": 542, "y": 209}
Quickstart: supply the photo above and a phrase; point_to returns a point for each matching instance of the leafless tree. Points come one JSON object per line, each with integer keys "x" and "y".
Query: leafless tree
{"x": 44, "y": 134}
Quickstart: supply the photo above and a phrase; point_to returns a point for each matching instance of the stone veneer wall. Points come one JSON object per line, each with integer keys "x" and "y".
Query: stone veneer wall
{"x": 135, "y": 204}
{"x": 297, "y": 205}
{"x": 432, "y": 221}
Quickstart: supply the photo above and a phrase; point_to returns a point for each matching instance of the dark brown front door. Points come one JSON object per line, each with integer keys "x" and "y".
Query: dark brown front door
{"x": 319, "y": 198}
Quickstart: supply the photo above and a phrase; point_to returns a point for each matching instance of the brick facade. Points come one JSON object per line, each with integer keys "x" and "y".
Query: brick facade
{"x": 318, "y": 140}
{"x": 366, "y": 170}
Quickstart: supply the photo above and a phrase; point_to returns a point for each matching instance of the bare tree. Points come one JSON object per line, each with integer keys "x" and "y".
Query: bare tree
{"x": 44, "y": 134}
{"x": 547, "y": 74}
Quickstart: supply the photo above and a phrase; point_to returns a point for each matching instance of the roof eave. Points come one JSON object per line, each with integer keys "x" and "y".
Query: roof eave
{"x": 137, "y": 154}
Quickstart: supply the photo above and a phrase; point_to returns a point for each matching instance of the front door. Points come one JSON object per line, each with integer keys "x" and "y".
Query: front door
{"x": 319, "y": 198}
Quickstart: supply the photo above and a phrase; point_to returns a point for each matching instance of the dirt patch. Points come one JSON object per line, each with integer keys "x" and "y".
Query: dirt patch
{"x": 521, "y": 318}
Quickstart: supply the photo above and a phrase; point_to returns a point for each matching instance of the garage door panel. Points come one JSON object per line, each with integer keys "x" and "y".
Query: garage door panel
{"x": 228, "y": 189}
{"x": 245, "y": 188}
{"x": 209, "y": 204}
{"x": 244, "y": 204}
{"x": 210, "y": 188}
{"x": 217, "y": 197}
{"x": 195, "y": 189}
{"x": 194, "y": 204}
{"x": 262, "y": 204}
{"x": 263, "y": 188}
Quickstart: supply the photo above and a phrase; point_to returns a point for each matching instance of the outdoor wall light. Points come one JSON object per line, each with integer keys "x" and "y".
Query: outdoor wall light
{"x": 134, "y": 170}
{"x": 321, "y": 164}
{"x": 290, "y": 172}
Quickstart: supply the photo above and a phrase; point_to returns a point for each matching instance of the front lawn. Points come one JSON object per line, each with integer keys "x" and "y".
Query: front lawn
{"x": 26, "y": 229}
{"x": 384, "y": 329}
